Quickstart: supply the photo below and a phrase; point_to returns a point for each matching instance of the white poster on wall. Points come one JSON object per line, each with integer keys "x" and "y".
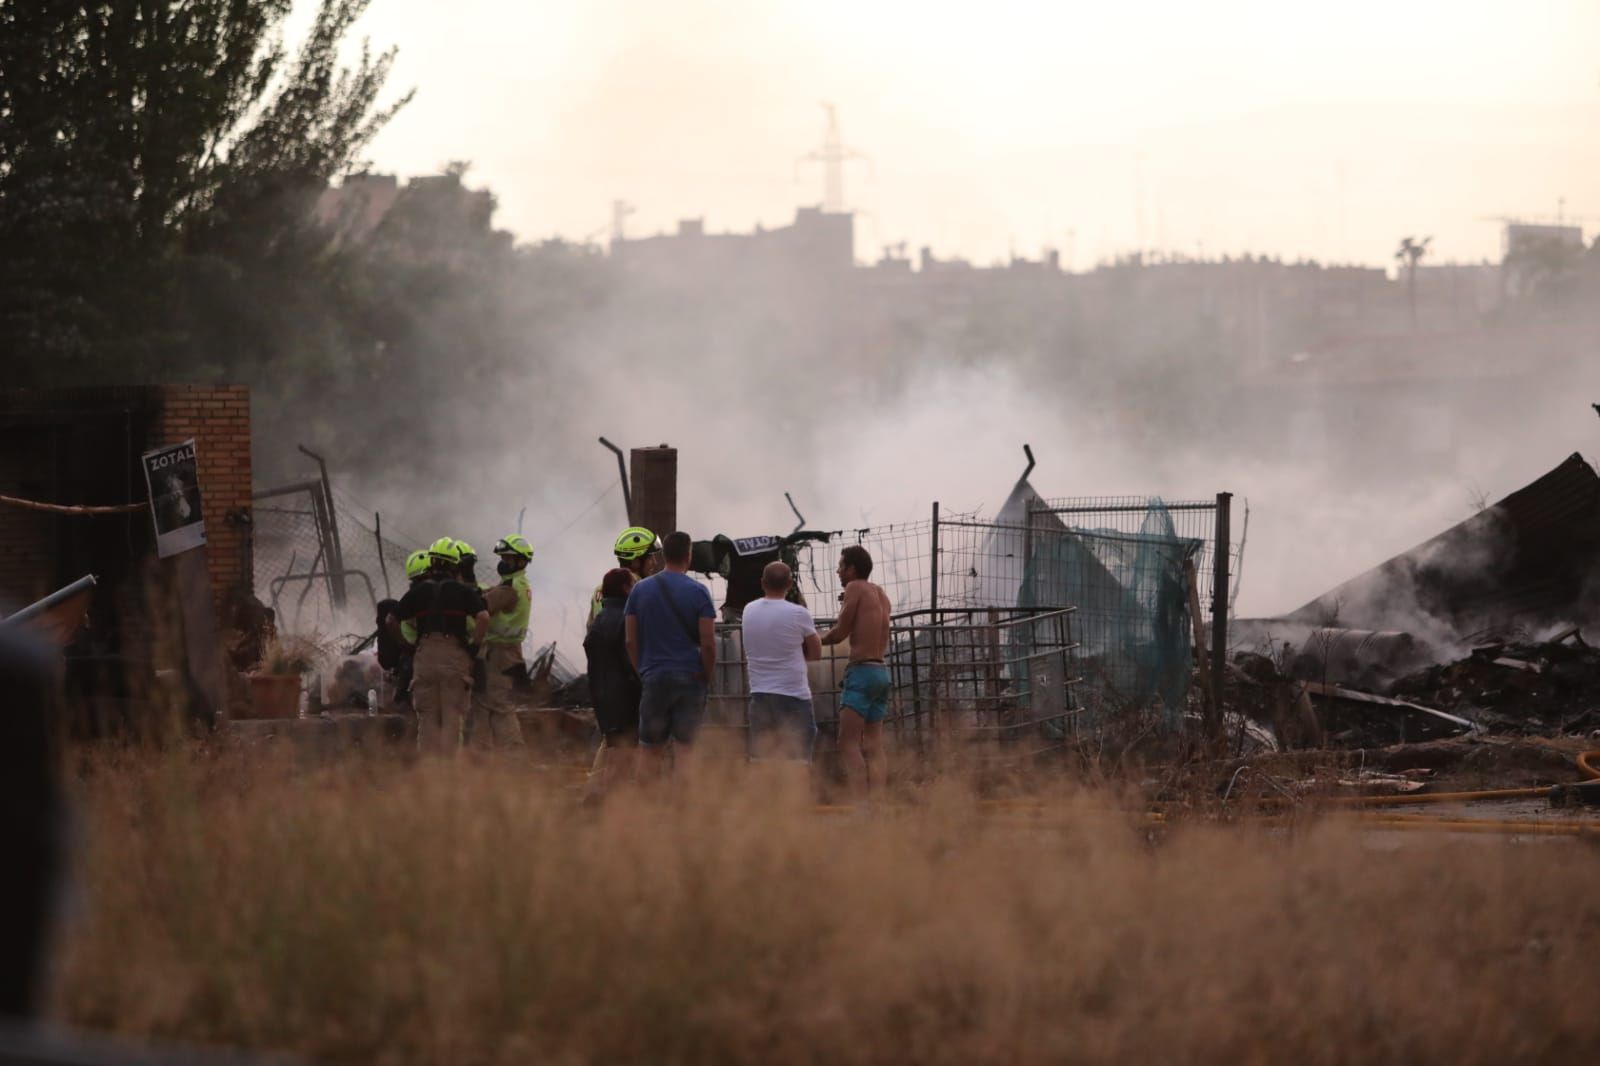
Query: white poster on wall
{"x": 172, "y": 475}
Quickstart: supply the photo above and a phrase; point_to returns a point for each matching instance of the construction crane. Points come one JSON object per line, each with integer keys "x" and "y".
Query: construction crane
{"x": 833, "y": 154}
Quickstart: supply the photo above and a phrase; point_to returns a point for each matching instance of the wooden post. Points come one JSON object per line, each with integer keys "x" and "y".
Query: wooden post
{"x": 654, "y": 480}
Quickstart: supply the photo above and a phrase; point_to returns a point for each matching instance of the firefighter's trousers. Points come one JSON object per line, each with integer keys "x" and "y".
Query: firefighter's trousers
{"x": 494, "y": 715}
{"x": 441, "y": 693}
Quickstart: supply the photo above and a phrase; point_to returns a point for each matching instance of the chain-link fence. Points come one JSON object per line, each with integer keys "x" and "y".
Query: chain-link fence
{"x": 321, "y": 563}
{"x": 1130, "y": 568}
{"x": 1191, "y": 520}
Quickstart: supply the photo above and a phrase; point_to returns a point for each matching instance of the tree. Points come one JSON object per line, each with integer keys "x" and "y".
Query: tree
{"x": 1408, "y": 255}
{"x": 145, "y": 145}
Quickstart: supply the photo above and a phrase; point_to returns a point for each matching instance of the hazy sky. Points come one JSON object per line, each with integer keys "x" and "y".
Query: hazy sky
{"x": 1319, "y": 130}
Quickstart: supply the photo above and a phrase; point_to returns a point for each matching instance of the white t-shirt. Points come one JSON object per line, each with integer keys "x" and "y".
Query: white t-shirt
{"x": 774, "y": 639}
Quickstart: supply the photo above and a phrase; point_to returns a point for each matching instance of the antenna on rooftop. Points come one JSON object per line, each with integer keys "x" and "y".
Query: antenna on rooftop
{"x": 833, "y": 154}
{"x": 620, "y": 210}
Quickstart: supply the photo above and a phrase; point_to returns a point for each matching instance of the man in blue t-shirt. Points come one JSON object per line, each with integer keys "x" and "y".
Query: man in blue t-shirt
{"x": 670, "y": 630}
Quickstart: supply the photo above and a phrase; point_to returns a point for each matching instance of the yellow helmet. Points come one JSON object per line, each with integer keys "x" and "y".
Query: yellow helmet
{"x": 464, "y": 550}
{"x": 635, "y": 542}
{"x": 417, "y": 563}
{"x": 515, "y": 544}
{"x": 444, "y": 550}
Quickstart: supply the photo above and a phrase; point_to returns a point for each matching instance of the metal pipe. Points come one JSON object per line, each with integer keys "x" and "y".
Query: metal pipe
{"x": 800, "y": 519}
{"x": 38, "y": 607}
{"x": 1219, "y": 595}
{"x": 1028, "y": 451}
{"x": 622, "y": 472}
{"x": 383, "y": 567}
{"x": 1126, "y": 508}
{"x": 287, "y": 490}
{"x": 336, "y": 550}
{"x": 933, "y": 630}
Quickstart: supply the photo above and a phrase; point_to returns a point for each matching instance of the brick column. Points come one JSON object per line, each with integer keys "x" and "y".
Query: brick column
{"x": 218, "y": 418}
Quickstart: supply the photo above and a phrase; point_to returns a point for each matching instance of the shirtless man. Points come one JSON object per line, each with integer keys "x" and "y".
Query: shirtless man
{"x": 864, "y": 696}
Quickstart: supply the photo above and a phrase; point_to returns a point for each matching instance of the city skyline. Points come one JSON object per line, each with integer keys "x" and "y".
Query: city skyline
{"x": 1093, "y": 132}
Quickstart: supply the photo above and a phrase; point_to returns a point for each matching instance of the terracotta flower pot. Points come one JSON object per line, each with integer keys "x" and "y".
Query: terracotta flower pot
{"x": 275, "y": 695}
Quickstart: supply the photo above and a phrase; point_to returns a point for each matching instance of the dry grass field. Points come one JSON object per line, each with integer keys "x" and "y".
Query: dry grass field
{"x": 380, "y": 912}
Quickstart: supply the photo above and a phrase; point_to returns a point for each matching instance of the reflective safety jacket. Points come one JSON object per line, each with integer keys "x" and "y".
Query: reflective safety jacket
{"x": 511, "y": 627}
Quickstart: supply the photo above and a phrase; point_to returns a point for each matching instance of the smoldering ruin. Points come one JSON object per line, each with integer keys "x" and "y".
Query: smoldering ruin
{"x": 1187, "y": 514}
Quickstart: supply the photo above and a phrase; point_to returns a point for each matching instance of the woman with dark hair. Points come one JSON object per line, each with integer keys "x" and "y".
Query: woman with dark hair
{"x": 613, "y": 683}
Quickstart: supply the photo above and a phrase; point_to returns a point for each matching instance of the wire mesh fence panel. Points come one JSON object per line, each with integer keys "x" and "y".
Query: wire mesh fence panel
{"x": 989, "y": 676}
{"x": 289, "y": 559}
{"x": 382, "y": 560}
{"x": 1001, "y": 675}
{"x": 1119, "y": 562}
{"x": 902, "y": 557}
{"x": 1194, "y": 520}
{"x": 322, "y": 570}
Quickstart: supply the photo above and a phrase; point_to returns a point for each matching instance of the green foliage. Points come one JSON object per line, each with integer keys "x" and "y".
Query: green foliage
{"x": 157, "y": 159}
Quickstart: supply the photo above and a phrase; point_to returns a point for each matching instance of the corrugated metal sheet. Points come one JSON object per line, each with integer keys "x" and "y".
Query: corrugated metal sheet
{"x": 1529, "y": 560}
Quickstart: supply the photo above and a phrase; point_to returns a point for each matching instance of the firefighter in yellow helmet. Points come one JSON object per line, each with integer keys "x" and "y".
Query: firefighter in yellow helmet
{"x": 450, "y": 619}
{"x": 510, "y": 604}
{"x": 467, "y": 568}
{"x": 636, "y": 549}
{"x": 398, "y": 641}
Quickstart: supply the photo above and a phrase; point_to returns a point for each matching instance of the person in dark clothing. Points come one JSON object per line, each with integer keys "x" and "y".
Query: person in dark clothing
{"x": 33, "y": 824}
{"x": 450, "y": 620}
{"x": 613, "y": 683}
{"x": 397, "y": 644}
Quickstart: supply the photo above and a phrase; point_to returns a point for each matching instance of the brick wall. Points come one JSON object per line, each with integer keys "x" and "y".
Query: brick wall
{"x": 218, "y": 418}
{"x": 79, "y": 446}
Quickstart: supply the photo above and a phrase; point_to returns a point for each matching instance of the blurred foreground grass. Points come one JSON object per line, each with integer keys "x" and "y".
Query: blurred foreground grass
{"x": 378, "y": 912}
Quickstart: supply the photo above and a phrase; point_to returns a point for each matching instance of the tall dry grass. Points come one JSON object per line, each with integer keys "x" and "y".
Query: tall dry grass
{"x": 374, "y": 912}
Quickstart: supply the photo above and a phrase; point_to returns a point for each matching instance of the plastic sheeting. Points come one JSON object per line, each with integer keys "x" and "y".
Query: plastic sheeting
{"x": 1132, "y": 622}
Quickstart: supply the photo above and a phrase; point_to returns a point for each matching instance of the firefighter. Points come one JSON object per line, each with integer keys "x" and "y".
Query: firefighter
{"x": 510, "y": 603}
{"x": 468, "y": 566}
{"x": 397, "y": 640}
{"x": 450, "y": 620}
{"x": 636, "y": 549}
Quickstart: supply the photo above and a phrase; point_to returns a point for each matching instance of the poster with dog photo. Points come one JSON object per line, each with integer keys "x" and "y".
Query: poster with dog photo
{"x": 173, "y": 478}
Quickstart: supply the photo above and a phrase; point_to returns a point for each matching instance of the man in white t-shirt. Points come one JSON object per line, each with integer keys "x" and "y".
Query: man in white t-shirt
{"x": 779, "y": 637}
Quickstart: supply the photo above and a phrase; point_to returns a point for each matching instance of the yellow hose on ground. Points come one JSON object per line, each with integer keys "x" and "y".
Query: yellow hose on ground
{"x": 1484, "y": 825}
{"x": 1439, "y": 797}
{"x": 1586, "y": 768}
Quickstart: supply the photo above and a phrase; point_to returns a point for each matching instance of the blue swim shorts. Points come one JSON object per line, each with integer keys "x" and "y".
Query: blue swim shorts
{"x": 866, "y": 691}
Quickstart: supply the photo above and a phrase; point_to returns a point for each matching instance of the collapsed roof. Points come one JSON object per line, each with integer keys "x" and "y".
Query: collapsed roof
{"x": 1531, "y": 560}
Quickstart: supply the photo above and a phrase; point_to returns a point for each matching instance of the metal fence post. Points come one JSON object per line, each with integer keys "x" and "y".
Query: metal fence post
{"x": 933, "y": 629}
{"x": 1219, "y": 596}
{"x": 335, "y": 550}
{"x": 383, "y": 565}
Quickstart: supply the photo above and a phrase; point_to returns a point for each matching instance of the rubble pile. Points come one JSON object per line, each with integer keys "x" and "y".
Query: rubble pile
{"x": 1546, "y": 688}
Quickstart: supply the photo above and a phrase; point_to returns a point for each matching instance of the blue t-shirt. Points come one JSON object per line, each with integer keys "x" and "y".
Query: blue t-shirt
{"x": 669, "y": 633}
